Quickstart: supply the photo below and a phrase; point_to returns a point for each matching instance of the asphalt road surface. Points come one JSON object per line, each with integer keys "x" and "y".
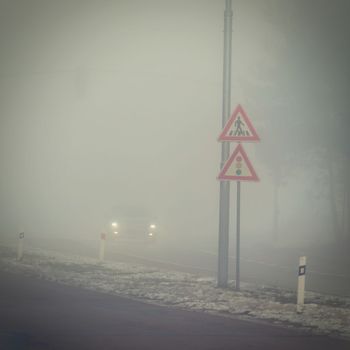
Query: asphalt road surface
{"x": 272, "y": 267}
{"x": 327, "y": 269}
{"x": 38, "y": 314}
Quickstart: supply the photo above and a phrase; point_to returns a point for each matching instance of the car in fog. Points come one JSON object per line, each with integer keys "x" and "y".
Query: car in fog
{"x": 139, "y": 229}
{"x": 133, "y": 224}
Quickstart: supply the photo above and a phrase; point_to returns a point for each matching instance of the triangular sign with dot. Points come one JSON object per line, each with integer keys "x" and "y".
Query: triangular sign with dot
{"x": 238, "y": 167}
{"x": 239, "y": 128}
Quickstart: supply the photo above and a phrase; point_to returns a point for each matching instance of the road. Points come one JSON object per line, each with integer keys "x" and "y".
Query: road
{"x": 274, "y": 267}
{"x": 327, "y": 271}
{"x": 38, "y": 314}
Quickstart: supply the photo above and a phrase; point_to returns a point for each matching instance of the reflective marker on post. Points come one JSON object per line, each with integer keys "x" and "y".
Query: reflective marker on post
{"x": 102, "y": 246}
{"x": 20, "y": 246}
{"x": 301, "y": 283}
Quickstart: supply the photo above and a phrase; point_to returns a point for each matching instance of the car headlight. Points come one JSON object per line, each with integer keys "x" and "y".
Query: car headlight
{"x": 152, "y": 226}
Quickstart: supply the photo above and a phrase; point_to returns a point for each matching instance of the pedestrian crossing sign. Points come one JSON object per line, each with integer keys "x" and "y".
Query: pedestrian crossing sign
{"x": 239, "y": 128}
{"x": 238, "y": 167}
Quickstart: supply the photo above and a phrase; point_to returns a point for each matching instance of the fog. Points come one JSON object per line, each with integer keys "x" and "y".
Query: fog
{"x": 106, "y": 104}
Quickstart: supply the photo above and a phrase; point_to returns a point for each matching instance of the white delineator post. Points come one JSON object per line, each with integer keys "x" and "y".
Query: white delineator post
{"x": 20, "y": 246}
{"x": 301, "y": 283}
{"x": 102, "y": 246}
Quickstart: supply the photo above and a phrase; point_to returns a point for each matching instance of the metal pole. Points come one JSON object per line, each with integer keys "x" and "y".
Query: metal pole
{"x": 225, "y": 151}
{"x": 238, "y": 237}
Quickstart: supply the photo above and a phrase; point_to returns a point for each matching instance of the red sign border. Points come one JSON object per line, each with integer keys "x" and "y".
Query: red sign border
{"x": 223, "y": 177}
{"x": 224, "y": 137}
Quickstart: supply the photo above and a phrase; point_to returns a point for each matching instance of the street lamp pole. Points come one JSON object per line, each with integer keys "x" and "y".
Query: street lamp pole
{"x": 224, "y": 209}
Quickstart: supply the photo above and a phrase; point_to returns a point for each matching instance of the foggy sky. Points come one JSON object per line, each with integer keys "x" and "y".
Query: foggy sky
{"x": 105, "y": 103}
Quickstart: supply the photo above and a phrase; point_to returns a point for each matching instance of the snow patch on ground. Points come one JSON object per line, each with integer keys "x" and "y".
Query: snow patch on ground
{"x": 322, "y": 314}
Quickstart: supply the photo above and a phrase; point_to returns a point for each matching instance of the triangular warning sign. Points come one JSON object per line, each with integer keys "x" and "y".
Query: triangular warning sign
{"x": 238, "y": 167}
{"x": 239, "y": 128}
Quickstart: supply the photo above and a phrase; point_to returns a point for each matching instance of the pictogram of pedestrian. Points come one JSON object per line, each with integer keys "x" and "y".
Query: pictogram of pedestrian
{"x": 238, "y": 125}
